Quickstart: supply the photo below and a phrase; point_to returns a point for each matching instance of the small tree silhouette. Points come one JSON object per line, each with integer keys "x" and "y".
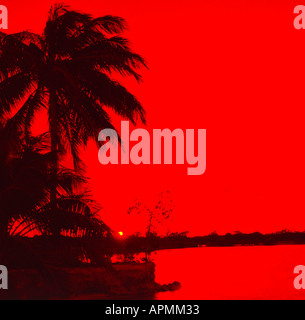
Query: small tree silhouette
{"x": 156, "y": 214}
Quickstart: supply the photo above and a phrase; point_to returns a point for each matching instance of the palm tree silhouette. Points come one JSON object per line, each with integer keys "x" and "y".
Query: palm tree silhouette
{"x": 68, "y": 71}
{"x": 26, "y": 180}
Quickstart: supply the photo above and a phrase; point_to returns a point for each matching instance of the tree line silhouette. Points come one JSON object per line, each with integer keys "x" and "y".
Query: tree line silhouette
{"x": 137, "y": 243}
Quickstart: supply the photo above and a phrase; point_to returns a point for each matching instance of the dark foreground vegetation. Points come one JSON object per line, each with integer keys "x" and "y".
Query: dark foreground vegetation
{"x": 50, "y": 226}
{"x": 65, "y": 75}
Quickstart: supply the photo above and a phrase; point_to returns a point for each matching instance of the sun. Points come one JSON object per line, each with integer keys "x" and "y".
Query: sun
{"x": 121, "y": 233}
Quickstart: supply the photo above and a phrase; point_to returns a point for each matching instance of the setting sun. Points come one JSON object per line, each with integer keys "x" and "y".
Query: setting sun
{"x": 121, "y": 233}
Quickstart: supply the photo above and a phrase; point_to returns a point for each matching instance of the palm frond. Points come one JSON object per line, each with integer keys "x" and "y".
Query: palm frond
{"x": 111, "y": 55}
{"x": 13, "y": 90}
{"x": 24, "y": 117}
{"x": 74, "y": 214}
{"x": 112, "y": 94}
{"x": 21, "y": 52}
{"x": 109, "y": 24}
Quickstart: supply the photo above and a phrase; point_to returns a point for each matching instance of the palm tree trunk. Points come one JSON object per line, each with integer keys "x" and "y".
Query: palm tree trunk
{"x": 148, "y": 236}
{"x": 54, "y": 150}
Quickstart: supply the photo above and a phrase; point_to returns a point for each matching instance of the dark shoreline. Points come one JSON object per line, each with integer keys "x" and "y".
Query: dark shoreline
{"x": 71, "y": 283}
{"x": 137, "y": 244}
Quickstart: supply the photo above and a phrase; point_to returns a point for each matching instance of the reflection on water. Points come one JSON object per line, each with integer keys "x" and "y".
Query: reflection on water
{"x": 251, "y": 272}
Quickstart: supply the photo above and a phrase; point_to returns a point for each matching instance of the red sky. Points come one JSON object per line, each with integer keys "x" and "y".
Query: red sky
{"x": 235, "y": 68}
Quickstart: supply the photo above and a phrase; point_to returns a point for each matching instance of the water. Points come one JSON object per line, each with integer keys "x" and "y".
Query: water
{"x": 250, "y": 272}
